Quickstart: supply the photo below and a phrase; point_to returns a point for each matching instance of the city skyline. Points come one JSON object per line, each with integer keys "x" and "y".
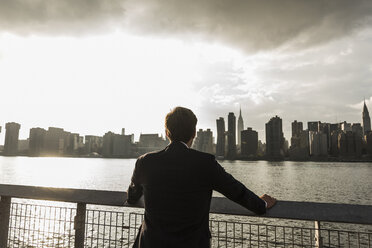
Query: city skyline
{"x": 235, "y": 127}
{"x": 103, "y": 66}
{"x": 24, "y": 131}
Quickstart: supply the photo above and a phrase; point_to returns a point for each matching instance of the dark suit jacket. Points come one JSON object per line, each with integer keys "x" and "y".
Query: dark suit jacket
{"x": 177, "y": 184}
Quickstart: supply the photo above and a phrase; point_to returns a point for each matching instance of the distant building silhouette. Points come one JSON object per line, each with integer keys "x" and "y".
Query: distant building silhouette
{"x": 116, "y": 145}
{"x": 150, "y": 142}
{"x": 93, "y": 144}
{"x": 122, "y": 145}
{"x": 334, "y": 151}
{"x": 36, "y": 143}
{"x": 346, "y": 127}
{"x": 221, "y": 136}
{"x": 240, "y": 127}
{"x": 297, "y": 128}
{"x": 313, "y": 126}
{"x": 231, "y": 136}
{"x": 369, "y": 143}
{"x": 357, "y": 129}
{"x": 366, "y": 119}
{"x": 56, "y": 141}
{"x": 108, "y": 144}
{"x": 74, "y": 143}
{"x": 249, "y": 145}
{"x": 318, "y": 144}
{"x": 274, "y": 138}
{"x": 23, "y": 146}
{"x": 334, "y": 127}
{"x": 299, "y": 149}
{"x": 204, "y": 141}
{"x": 349, "y": 144}
{"x": 11, "y": 138}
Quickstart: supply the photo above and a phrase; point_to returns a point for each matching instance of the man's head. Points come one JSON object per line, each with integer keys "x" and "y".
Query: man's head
{"x": 180, "y": 124}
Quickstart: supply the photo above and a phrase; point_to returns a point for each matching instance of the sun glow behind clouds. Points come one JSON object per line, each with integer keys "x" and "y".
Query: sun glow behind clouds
{"x": 98, "y": 83}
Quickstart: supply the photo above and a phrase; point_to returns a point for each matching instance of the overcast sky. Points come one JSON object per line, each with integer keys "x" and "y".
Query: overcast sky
{"x": 90, "y": 66}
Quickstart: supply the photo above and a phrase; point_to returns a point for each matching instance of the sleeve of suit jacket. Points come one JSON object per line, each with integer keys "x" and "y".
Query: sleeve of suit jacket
{"x": 135, "y": 190}
{"x": 227, "y": 185}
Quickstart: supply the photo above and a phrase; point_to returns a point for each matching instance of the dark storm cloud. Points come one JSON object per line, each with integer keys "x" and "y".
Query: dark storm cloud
{"x": 251, "y": 25}
{"x": 246, "y": 24}
{"x": 59, "y": 17}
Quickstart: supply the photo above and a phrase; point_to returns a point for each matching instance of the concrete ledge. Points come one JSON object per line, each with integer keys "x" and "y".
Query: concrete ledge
{"x": 312, "y": 211}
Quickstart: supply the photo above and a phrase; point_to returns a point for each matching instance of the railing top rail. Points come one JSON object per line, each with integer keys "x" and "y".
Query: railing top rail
{"x": 332, "y": 212}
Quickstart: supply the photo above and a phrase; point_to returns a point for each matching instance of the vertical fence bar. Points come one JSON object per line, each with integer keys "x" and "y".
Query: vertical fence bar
{"x": 5, "y": 203}
{"x": 318, "y": 238}
{"x": 79, "y": 225}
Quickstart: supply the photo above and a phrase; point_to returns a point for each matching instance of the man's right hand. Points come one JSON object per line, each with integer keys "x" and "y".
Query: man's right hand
{"x": 269, "y": 200}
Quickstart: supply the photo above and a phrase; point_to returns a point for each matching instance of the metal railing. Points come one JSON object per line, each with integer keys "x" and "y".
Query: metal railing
{"x": 55, "y": 217}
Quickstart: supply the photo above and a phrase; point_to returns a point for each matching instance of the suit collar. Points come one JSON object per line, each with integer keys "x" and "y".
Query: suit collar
{"x": 177, "y": 144}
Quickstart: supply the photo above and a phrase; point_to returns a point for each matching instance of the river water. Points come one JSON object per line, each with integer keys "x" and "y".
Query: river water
{"x": 293, "y": 181}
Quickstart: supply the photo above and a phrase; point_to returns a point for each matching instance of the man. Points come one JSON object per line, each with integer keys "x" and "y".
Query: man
{"x": 177, "y": 185}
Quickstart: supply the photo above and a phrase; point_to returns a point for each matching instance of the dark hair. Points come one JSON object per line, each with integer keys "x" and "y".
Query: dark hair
{"x": 180, "y": 124}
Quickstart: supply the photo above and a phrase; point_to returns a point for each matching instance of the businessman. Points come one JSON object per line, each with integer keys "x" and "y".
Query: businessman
{"x": 177, "y": 185}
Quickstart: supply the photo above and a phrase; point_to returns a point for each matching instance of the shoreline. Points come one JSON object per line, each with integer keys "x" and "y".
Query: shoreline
{"x": 324, "y": 159}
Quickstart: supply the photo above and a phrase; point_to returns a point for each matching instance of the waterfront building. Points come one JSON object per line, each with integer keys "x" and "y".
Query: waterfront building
{"x": 318, "y": 144}
{"x": 366, "y": 119}
{"x": 122, "y": 145}
{"x": 23, "y": 146}
{"x": 299, "y": 149}
{"x": 274, "y": 138}
{"x": 56, "y": 141}
{"x": 93, "y": 144}
{"x": 108, "y": 144}
{"x": 150, "y": 142}
{"x": 357, "y": 129}
{"x": 11, "y": 138}
{"x": 204, "y": 141}
{"x": 349, "y": 144}
{"x": 249, "y": 142}
{"x": 334, "y": 150}
{"x": 261, "y": 151}
{"x": 325, "y": 128}
{"x": 369, "y": 143}
{"x": 313, "y": 126}
{"x": 73, "y": 143}
{"x": 36, "y": 143}
{"x": 346, "y": 127}
{"x": 221, "y": 136}
{"x": 231, "y": 136}
{"x": 334, "y": 127}
{"x": 342, "y": 145}
{"x": 297, "y": 128}
{"x": 240, "y": 127}
{"x": 358, "y": 144}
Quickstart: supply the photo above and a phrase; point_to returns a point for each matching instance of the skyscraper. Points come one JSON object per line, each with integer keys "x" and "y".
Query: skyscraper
{"x": 240, "y": 127}
{"x": 231, "y": 136}
{"x": 249, "y": 143}
{"x": 274, "y": 138}
{"x": 297, "y": 128}
{"x": 220, "y": 148}
{"x": 37, "y": 139}
{"x": 366, "y": 119}
{"x": 11, "y": 138}
{"x": 204, "y": 141}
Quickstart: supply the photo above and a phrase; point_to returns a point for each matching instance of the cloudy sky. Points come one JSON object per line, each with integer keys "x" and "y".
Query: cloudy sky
{"x": 91, "y": 66}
